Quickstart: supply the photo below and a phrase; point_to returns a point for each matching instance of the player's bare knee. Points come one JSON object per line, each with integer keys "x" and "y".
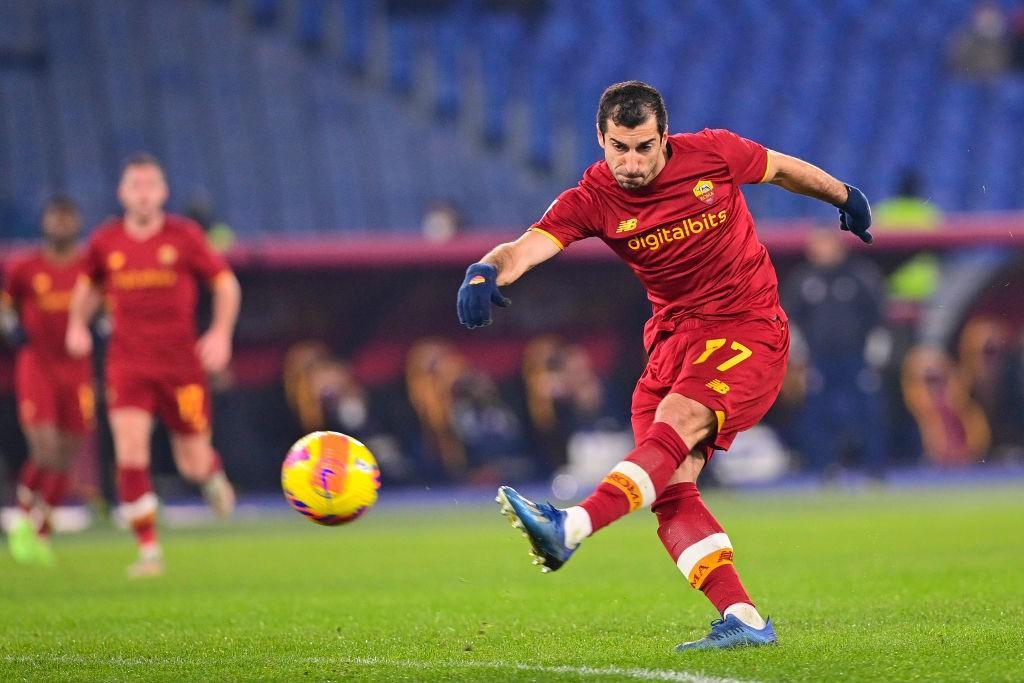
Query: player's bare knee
{"x": 693, "y": 421}
{"x": 689, "y": 469}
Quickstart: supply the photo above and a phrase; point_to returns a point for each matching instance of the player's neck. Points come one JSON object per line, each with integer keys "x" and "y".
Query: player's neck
{"x": 60, "y": 253}
{"x": 143, "y": 227}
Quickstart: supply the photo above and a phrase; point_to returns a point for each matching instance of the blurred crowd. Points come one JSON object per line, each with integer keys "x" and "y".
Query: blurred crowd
{"x": 991, "y": 44}
{"x": 866, "y": 392}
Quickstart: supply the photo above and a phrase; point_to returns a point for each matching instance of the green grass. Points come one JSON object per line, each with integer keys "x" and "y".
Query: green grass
{"x": 884, "y": 586}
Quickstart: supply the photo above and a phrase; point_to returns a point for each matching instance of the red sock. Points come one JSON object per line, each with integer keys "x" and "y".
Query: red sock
{"x": 697, "y": 544}
{"x": 51, "y": 487}
{"x": 28, "y": 485}
{"x": 138, "y": 502}
{"x": 636, "y": 481}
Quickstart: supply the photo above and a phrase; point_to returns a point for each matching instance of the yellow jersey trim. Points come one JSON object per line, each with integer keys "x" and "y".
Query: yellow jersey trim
{"x": 767, "y": 166}
{"x": 720, "y": 415}
{"x": 549, "y": 236}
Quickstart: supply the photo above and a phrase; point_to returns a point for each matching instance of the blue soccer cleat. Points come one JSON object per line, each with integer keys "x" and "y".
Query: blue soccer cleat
{"x": 731, "y": 632}
{"x": 543, "y": 525}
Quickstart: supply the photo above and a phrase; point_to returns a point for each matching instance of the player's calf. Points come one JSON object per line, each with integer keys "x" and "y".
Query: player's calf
{"x": 199, "y": 462}
{"x": 138, "y": 507}
{"x": 703, "y": 553}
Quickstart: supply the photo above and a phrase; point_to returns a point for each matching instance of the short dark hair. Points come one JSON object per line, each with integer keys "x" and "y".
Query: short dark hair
{"x": 141, "y": 159}
{"x": 61, "y": 203}
{"x": 629, "y": 104}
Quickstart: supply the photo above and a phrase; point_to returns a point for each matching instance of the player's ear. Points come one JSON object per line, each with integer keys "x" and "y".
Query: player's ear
{"x": 600, "y": 136}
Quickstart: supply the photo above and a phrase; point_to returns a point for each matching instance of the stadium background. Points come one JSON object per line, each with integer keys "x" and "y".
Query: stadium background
{"x": 352, "y": 157}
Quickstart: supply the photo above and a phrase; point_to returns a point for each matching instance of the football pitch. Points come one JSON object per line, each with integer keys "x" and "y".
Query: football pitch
{"x": 879, "y": 586}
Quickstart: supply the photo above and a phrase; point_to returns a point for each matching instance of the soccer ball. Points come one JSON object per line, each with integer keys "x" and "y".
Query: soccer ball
{"x": 330, "y": 478}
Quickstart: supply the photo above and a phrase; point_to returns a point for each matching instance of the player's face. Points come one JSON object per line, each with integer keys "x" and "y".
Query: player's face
{"x": 143, "y": 191}
{"x": 61, "y": 227}
{"x": 634, "y": 155}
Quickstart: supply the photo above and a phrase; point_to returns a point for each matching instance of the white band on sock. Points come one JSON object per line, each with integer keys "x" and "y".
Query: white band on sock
{"x": 697, "y": 561}
{"x": 638, "y": 475}
{"x": 146, "y": 504}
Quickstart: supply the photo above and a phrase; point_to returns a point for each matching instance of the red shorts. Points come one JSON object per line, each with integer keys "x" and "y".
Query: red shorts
{"x": 735, "y": 367}
{"x": 54, "y": 391}
{"x": 179, "y": 396}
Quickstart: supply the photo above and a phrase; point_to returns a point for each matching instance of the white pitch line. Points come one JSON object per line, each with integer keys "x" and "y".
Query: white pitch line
{"x": 581, "y": 671}
{"x": 608, "y": 671}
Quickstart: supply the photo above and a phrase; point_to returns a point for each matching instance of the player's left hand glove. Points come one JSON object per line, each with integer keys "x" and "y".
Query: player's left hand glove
{"x": 855, "y": 214}
{"x": 478, "y": 291}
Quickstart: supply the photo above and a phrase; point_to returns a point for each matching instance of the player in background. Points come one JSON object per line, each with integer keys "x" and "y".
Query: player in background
{"x": 671, "y": 207}
{"x": 147, "y": 264}
{"x": 56, "y": 403}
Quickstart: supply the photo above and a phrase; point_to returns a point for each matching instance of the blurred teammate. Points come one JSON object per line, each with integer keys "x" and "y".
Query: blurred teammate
{"x": 54, "y": 391}
{"x": 147, "y": 264}
{"x": 671, "y": 207}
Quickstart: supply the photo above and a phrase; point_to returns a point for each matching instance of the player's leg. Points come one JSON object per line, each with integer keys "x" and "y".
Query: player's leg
{"x": 738, "y": 387}
{"x": 132, "y": 428}
{"x": 702, "y": 551}
{"x": 35, "y": 480}
{"x": 37, "y": 415}
{"x": 199, "y": 462}
{"x": 632, "y": 484}
{"x": 675, "y": 421}
{"x": 185, "y": 409}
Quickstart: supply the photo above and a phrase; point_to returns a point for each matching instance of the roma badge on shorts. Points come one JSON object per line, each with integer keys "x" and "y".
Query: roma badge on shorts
{"x": 704, "y": 190}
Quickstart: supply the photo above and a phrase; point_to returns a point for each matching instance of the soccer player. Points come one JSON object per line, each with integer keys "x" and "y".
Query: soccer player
{"x": 54, "y": 391}
{"x": 671, "y": 207}
{"x": 147, "y": 264}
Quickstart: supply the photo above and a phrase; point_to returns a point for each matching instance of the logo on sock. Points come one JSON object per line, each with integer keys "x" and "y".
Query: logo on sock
{"x": 628, "y": 487}
{"x": 708, "y": 564}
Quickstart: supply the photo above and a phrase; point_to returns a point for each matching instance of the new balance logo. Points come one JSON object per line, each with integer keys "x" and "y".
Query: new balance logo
{"x": 627, "y": 226}
{"x": 718, "y": 385}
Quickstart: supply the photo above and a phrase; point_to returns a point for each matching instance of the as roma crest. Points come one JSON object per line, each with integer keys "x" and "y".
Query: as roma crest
{"x": 704, "y": 190}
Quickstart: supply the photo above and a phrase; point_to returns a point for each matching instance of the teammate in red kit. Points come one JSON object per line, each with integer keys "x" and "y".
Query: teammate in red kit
{"x": 147, "y": 264}
{"x": 671, "y": 207}
{"x": 55, "y": 391}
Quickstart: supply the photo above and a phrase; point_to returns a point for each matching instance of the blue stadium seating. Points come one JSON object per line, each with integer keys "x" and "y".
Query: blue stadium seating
{"x": 311, "y": 115}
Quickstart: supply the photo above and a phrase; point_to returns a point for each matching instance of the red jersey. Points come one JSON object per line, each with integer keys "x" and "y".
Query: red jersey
{"x": 688, "y": 235}
{"x": 41, "y": 292}
{"x": 150, "y": 286}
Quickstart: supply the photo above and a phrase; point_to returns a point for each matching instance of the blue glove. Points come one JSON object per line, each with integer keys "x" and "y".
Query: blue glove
{"x": 13, "y": 333}
{"x": 478, "y": 291}
{"x": 855, "y": 214}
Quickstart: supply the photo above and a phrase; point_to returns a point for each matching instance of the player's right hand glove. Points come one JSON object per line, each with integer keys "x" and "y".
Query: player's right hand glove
{"x": 478, "y": 291}
{"x": 13, "y": 333}
{"x": 855, "y": 214}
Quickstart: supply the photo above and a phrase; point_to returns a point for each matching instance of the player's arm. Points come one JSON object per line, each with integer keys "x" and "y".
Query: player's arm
{"x": 800, "y": 177}
{"x": 86, "y": 298}
{"x": 502, "y": 265}
{"x": 513, "y": 259}
{"x": 214, "y": 347}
